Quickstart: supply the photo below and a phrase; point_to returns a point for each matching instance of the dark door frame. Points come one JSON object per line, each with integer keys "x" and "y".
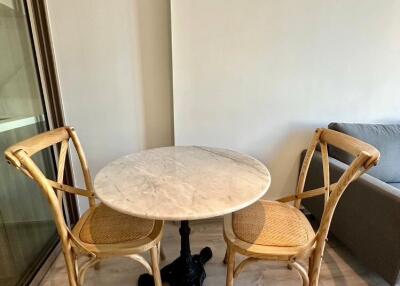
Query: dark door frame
{"x": 45, "y": 63}
{"x": 43, "y": 49}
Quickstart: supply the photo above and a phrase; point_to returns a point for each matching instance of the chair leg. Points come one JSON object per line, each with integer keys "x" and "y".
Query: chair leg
{"x": 84, "y": 268}
{"x": 231, "y": 267}
{"x": 310, "y": 265}
{"x": 303, "y": 273}
{"x": 225, "y": 261}
{"x": 139, "y": 258}
{"x": 161, "y": 253}
{"x": 155, "y": 266}
{"x": 315, "y": 270}
{"x": 70, "y": 262}
{"x": 316, "y": 265}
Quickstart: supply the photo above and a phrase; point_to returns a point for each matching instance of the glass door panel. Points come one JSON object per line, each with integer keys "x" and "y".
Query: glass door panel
{"x": 27, "y": 230}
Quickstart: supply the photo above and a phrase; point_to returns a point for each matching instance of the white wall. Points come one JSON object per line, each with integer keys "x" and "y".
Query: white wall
{"x": 114, "y": 65}
{"x": 258, "y": 76}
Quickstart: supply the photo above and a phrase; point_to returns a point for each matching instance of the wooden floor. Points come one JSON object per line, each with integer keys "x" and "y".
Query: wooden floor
{"x": 339, "y": 267}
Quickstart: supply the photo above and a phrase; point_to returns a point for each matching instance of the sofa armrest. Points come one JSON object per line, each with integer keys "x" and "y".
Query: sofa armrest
{"x": 367, "y": 218}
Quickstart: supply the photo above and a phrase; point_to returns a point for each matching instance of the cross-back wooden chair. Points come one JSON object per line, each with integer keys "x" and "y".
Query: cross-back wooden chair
{"x": 101, "y": 232}
{"x": 276, "y": 230}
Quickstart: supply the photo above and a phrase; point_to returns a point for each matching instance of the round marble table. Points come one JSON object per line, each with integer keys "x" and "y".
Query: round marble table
{"x": 182, "y": 183}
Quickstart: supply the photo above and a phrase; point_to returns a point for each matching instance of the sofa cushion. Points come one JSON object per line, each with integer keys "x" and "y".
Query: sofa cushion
{"x": 385, "y": 137}
{"x": 396, "y": 185}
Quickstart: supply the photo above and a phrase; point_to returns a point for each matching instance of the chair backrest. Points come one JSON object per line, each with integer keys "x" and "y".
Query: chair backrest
{"x": 365, "y": 157}
{"x": 20, "y": 155}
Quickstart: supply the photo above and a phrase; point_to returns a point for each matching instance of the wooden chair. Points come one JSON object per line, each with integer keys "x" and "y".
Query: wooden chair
{"x": 101, "y": 232}
{"x": 275, "y": 230}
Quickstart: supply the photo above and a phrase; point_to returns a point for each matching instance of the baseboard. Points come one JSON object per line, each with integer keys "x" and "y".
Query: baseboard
{"x": 46, "y": 266}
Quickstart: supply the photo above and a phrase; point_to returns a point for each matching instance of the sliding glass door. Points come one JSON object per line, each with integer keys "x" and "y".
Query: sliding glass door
{"x": 27, "y": 230}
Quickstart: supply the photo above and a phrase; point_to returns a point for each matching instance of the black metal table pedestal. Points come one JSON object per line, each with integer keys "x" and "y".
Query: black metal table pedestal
{"x": 187, "y": 269}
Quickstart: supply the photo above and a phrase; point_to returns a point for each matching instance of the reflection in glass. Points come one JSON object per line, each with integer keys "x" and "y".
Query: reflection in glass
{"x": 27, "y": 231}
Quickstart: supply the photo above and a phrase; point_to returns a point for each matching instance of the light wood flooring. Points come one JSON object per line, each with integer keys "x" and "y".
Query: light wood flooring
{"x": 339, "y": 267}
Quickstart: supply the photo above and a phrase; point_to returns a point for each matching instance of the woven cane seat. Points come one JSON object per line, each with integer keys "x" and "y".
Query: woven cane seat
{"x": 103, "y": 225}
{"x": 270, "y": 223}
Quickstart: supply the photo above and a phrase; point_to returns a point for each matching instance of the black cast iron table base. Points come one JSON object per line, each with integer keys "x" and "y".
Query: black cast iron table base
{"x": 187, "y": 269}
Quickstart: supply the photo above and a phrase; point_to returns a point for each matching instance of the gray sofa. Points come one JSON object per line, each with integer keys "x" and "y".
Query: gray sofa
{"x": 367, "y": 219}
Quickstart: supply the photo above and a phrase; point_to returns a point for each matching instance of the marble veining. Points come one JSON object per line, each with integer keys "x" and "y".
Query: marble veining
{"x": 182, "y": 183}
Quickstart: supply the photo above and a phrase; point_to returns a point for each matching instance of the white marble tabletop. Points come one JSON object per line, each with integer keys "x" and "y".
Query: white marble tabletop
{"x": 182, "y": 183}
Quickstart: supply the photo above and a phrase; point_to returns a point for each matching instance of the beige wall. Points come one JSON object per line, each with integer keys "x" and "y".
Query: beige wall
{"x": 114, "y": 65}
{"x": 258, "y": 76}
